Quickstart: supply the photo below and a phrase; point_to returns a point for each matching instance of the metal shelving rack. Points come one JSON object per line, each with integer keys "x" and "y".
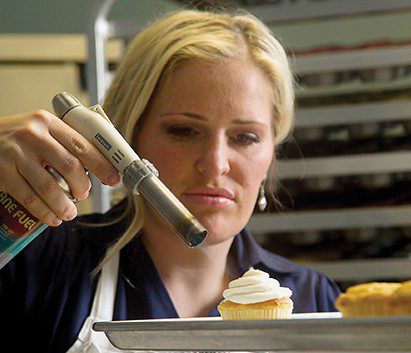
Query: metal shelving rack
{"x": 292, "y": 11}
{"x": 346, "y": 165}
{"x": 101, "y": 30}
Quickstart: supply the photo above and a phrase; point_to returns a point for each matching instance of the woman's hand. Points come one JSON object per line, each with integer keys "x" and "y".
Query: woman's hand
{"x": 29, "y": 142}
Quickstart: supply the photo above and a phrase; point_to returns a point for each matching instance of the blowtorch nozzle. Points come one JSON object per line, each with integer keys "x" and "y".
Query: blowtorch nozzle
{"x": 139, "y": 175}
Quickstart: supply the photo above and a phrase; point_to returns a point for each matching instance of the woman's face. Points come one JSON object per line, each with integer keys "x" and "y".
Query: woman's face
{"x": 208, "y": 131}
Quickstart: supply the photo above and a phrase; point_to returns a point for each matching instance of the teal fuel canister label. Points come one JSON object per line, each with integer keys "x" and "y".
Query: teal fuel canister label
{"x": 15, "y": 221}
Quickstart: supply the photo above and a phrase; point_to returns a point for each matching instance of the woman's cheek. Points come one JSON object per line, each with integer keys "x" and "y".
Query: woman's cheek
{"x": 173, "y": 167}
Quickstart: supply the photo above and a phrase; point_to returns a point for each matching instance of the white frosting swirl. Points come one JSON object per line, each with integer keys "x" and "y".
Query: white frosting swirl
{"x": 255, "y": 286}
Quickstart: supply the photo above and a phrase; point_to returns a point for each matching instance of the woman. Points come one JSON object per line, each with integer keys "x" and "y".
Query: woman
{"x": 206, "y": 98}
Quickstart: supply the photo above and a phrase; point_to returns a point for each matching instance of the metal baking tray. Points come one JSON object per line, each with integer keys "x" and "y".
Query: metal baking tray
{"x": 322, "y": 332}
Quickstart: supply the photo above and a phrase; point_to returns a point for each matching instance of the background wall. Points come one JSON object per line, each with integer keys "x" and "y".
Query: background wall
{"x": 70, "y": 16}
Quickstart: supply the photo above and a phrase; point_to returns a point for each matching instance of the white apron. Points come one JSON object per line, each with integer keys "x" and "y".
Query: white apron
{"x": 90, "y": 341}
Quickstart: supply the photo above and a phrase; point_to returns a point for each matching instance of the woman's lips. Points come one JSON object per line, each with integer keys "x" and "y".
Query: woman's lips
{"x": 211, "y": 197}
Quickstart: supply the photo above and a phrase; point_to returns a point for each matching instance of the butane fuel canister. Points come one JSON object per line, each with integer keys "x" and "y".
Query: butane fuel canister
{"x": 18, "y": 227}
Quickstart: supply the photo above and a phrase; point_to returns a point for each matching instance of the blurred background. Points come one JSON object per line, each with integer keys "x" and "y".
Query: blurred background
{"x": 344, "y": 189}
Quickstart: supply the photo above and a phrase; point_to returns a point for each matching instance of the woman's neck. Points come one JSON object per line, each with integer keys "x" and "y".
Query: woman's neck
{"x": 170, "y": 254}
{"x": 194, "y": 278}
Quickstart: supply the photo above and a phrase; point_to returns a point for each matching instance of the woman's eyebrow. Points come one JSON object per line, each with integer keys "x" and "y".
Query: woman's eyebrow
{"x": 187, "y": 114}
{"x": 200, "y": 117}
{"x": 247, "y": 122}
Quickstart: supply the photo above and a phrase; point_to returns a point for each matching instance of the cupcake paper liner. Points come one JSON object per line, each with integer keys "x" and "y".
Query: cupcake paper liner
{"x": 365, "y": 310}
{"x": 256, "y": 314}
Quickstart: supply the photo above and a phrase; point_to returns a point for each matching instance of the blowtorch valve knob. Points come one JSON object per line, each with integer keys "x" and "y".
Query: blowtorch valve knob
{"x": 136, "y": 172}
{"x": 151, "y": 167}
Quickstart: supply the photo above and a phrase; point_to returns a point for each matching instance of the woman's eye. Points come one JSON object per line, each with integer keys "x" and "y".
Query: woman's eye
{"x": 246, "y": 138}
{"x": 181, "y": 131}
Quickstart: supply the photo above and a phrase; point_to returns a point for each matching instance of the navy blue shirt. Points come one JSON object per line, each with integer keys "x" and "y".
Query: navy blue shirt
{"x": 46, "y": 292}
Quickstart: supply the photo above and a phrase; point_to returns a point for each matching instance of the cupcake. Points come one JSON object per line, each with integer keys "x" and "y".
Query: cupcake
{"x": 367, "y": 299}
{"x": 401, "y": 299}
{"x": 255, "y": 296}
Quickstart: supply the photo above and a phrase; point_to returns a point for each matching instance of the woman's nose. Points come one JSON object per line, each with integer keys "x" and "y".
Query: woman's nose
{"x": 213, "y": 159}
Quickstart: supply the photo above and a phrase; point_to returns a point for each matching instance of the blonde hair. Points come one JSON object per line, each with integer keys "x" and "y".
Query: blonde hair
{"x": 185, "y": 35}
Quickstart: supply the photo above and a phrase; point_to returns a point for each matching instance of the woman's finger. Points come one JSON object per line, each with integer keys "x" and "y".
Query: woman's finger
{"x": 24, "y": 194}
{"x": 71, "y": 169}
{"x": 47, "y": 189}
{"x": 86, "y": 152}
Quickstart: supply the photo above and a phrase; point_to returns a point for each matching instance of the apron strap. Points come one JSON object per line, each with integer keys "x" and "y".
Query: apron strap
{"x": 104, "y": 300}
{"x": 103, "y": 303}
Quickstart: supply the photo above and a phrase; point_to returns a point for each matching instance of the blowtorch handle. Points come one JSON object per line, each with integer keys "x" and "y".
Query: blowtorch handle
{"x": 98, "y": 129}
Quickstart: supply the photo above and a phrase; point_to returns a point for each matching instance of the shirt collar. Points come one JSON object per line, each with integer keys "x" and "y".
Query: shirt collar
{"x": 248, "y": 253}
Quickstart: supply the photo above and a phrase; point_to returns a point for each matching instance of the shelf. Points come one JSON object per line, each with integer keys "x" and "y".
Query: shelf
{"x": 384, "y": 162}
{"x": 289, "y": 11}
{"x": 365, "y": 269}
{"x": 354, "y": 114}
{"x": 352, "y": 60}
{"x": 354, "y": 87}
{"x": 51, "y": 48}
{"x": 349, "y": 218}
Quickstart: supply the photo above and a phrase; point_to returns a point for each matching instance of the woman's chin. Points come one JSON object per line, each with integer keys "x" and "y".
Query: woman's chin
{"x": 219, "y": 232}
{"x": 211, "y": 241}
